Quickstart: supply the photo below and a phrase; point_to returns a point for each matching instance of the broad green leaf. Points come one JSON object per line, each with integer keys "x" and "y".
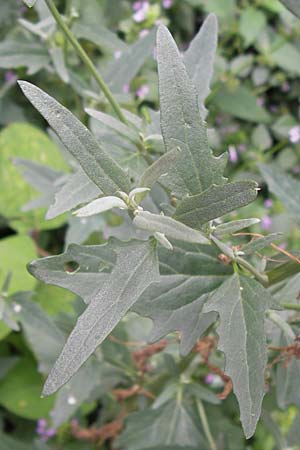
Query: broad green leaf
{"x": 115, "y": 125}
{"x": 14, "y": 54}
{"x": 260, "y": 243}
{"x": 168, "y": 226}
{"x": 6, "y": 364}
{"x": 77, "y": 189}
{"x": 136, "y": 268}
{"x": 100, "y": 36}
{"x": 241, "y": 303}
{"x": 159, "y": 168}
{"x": 9, "y": 443}
{"x": 216, "y": 201}
{"x": 20, "y": 393}
{"x": 121, "y": 71}
{"x": 80, "y": 142}
{"x": 17, "y": 251}
{"x": 284, "y": 186}
{"x": 53, "y": 300}
{"x": 232, "y": 227}
{"x": 199, "y": 59}
{"x": 292, "y": 5}
{"x": 169, "y": 427}
{"x": 181, "y": 124}
{"x": 100, "y": 205}
{"x": 44, "y": 337}
{"x": 287, "y": 57}
{"x": 252, "y": 23}
{"x": 241, "y": 103}
{"x": 81, "y": 269}
{"x": 21, "y": 140}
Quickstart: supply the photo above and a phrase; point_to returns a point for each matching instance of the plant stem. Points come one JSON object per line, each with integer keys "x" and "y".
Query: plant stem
{"x": 292, "y": 306}
{"x": 262, "y": 278}
{"x": 86, "y": 60}
{"x": 205, "y": 424}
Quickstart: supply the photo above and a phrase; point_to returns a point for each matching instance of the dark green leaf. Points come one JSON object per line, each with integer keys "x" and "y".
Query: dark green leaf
{"x": 216, "y": 201}
{"x": 97, "y": 164}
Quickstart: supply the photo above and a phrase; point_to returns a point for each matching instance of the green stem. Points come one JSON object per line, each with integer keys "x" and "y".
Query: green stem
{"x": 291, "y": 306}
{"x": 205, "y": 424}
{"x": 262, "y": 278}
{"x": 86, "y": 60}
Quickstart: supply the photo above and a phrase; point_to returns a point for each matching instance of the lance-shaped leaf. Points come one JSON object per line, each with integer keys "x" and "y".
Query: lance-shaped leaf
{"x": 232, "y": 227}
{"x": 81, "y": 269}
{"x": 80, "y": 142}
{"x": 29, "y": 3}
{"x": 100, "y": 205}
{"x": 216, "y": 201}
{"x": 260, "y": 243}
{"x": 59, "y": 64}
{"x": 168, "y": 226}
{"x": 292, "y": 5}
{"x": 181, "y": 124}
{"x": 285, "y": 187}
{"x": 241, "y": 304}
{"x": 100, "y": 36}
{"x": 15, "y": 54}
{"x": 77, "y": 189}
{"x": 136, "y": 268}
{"x": 159, "y": 168}
{"x": 199, "y": 59}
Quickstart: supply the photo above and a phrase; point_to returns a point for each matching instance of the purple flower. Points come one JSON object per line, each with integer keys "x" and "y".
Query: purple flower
{"x": 126, "y": 88}
{"x": 260, "y": 101}
{"x": 268, "y": 203}
{"x": 294, "y": 134}
{"x": 143, "y": 33}
{"x": 285, "y": 87}
{"x": 209, "y": 379}
{"x": 137, "y": 5}
{"x": 283, "y": 245}
{"x": 242, "y": 148}
{"x": 10, "y": 76}
{"x": 233, "y": 155}
{"x": 141, "y": 13}
{"x": 44, "y": 432}
{"x": 296, "y": 170}
{"x": 142, "y": 91}
{"x": 167, "y": 4}
{"x": 266, "y": 222}
{"x": 273, "y": 108}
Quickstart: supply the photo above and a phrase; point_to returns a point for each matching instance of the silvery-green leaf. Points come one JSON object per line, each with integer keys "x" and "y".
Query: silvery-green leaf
{"x": 57, "y": 56}
{"x": 223, "y": 247}
{"x": 199, "y": 59}
{"x": 289, "y": 291}
{"x": 77, "y": 189}
{"x": 121, "y": 71}
{"x": 232, "y": 227}
{"x": 114, "y": 124}
{"x": 168, "y": 226}
{"x": 292, "y": 5}
{"x": 80, "y": 229}
{"x": 29, "y": 3}
{"x": 160, "y": 167}
{"x": 241, "y": 304}
{"x": 287, "y": 379}
{"x": 81, "y": 269}
{"x": 100, "y": 205}
{"x": 135, "y": 269}
{"x": 138, "y": 194}
{"x": 284, "y": 186}
{"x": 181, "y": 124}
{"x": 100, "y": 36}
{"x": 161, "y": 238}
{"x": 15, "y": 54}
{"x": 260, "y": 243}
{"x": 80, "y": 142}
{"x": 216, "y": 201}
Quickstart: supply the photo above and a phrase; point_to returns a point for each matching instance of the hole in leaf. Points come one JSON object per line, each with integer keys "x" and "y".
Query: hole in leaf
{"x": 71, "y": 267}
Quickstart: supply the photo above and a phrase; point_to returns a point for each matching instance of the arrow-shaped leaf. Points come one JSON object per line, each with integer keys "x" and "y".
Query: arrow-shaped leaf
{"x": 80, "y": 142}
{"x": 181, "y": 124}
{"x": 136, "y": 268}
{"x": 241, "y": 304}
{"x": 216, "y": 201}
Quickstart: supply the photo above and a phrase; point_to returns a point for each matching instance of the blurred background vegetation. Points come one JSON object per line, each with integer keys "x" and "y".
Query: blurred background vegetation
{"x": 253, "y": 113}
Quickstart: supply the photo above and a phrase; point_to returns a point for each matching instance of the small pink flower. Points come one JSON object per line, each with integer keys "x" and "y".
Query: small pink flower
{"x": 242, "y": 148}
{"x": 142, "y": 91}
{"x": 143, "y": 33}
{"x": 233, "y": 155}
{"x": 268, "y": 203}
{"x": 137, "y": 5}
{"x": 260, "y": 101}
{"x": 141, "y": 13}
{"x": 117, "y": 54}
{"x": 296, "y": 170}
{"x": 294, "y": 134}
{"x": 10, "y": 76}
{"x": 167, "y": 4}
{"x": 209, "y": 379}
{"x": 126, "y": 88}
{"x": 283, "y": 245}
{"x": 266, "y": 222}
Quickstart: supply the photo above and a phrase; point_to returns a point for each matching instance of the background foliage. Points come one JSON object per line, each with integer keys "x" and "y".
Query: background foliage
{"x": 253, "y": 112}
